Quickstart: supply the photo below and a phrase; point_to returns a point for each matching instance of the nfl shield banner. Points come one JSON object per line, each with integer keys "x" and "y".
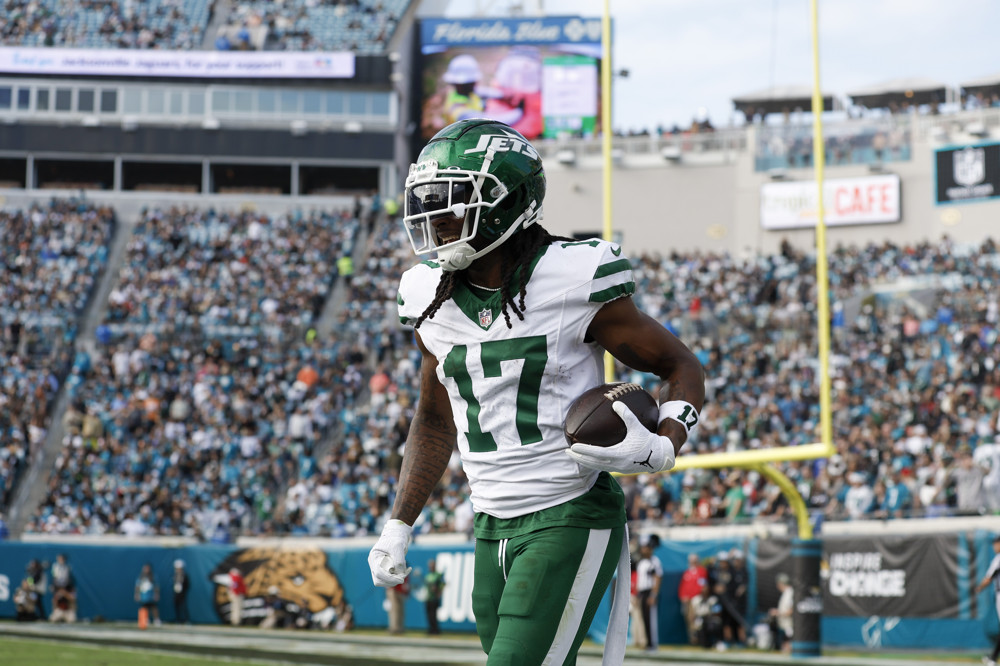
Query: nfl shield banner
{"x": 968, "y": 173}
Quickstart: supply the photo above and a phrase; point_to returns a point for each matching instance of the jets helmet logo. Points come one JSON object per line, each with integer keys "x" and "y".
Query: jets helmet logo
{"x": 503, "y": 143}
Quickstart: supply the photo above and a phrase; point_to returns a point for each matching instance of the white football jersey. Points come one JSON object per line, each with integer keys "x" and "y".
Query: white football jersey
{"x": 510, "y": 388}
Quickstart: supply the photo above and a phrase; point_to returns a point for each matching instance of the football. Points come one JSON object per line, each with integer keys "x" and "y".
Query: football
{"x": 590, "y": 419}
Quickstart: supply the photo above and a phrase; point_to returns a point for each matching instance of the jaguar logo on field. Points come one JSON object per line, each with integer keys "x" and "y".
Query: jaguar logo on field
{"x": 968, "y": 173}
{"x": 302, "y": 576}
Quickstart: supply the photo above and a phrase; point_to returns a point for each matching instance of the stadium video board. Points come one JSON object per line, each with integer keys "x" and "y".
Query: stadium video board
{"x": 539, "y": 75}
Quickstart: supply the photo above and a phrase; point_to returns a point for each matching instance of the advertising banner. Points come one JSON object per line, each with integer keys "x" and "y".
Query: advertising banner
{"x": 969, "y": 173}
{"x": 177, "y": 64}
{"x": 893, "y": 576}
{"x": 865, "y": 200}
{"x": 538, "y": 75}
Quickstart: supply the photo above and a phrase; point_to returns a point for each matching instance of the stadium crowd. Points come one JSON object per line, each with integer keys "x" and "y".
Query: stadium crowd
{"x": 194, "y": 411}
{"x": 151, "y": 24}
{"x": 208, "y": 269}
{"x": 915, "y": 385}
{"x": 50, "y": 258}
{"x": 177, "y": 431}
{"x": 362, "y": 26}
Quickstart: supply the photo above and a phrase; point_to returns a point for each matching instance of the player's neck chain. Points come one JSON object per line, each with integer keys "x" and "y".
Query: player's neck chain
{"x": 479, "y": 286}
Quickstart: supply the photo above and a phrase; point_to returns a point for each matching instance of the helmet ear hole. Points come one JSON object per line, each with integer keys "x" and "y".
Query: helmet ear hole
{"x": 511, "y": 200}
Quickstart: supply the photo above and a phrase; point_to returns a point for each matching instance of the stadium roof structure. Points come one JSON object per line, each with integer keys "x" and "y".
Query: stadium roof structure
{"x": 779, "y": 99}
{"x": 898, "y": 92}
{"x": 982, "y": 84}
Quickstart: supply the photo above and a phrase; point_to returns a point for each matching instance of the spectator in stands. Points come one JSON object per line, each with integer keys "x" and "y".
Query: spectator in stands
{"x": 968, "y": 478}
{"x": 859, "y": 498}
{"x": 898, "y": 496}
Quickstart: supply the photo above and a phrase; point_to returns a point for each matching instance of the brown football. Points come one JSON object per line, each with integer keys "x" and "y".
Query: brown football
{"x": 590, "y": 419}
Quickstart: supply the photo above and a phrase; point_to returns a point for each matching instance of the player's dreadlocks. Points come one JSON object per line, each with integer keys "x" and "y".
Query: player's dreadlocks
{"x": 517, "y": 253}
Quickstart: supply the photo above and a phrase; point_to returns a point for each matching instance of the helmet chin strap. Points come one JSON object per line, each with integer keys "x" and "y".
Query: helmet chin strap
{"x": 461, "y": 255}
{"x": 457, "y": 257}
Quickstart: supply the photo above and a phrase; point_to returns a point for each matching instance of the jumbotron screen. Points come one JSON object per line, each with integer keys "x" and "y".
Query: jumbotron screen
{"x": 541, "y": 76}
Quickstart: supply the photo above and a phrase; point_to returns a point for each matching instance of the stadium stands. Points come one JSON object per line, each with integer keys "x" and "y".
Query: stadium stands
{"x": 751, "y": 322}
{"x": 162, "y": 24}
{"x": 195, "y": 413}
{"x": 362, "y": 26}
{"x": 50, "y": 258}
{"x": 196, "y": 431}
{"x": 188, "y": 268}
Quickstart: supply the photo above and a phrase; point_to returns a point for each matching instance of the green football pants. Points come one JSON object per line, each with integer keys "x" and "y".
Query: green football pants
{"x": 535, "y": 595}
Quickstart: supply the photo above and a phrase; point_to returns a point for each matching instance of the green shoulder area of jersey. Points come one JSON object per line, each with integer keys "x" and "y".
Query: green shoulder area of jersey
{"x": 602, "y": 507}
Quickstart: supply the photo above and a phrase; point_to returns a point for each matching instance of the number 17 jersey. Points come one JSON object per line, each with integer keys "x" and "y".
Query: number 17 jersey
{"x": 510, "y": 388}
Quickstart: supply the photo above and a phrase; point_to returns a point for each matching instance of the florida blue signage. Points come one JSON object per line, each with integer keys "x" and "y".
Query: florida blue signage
{"x": 497, "y": 31}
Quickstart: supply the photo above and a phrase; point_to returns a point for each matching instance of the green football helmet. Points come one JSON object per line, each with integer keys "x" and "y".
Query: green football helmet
{"x": 479, "y": 170}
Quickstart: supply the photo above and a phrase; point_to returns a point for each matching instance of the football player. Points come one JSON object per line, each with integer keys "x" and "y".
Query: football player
{"x": 512, "y": 323}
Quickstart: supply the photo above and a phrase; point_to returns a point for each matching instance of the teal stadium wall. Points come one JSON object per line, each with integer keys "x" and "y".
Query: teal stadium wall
{"x": 105, "y": 576}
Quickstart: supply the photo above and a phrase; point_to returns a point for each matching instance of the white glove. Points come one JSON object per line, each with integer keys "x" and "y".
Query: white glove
{"x": 387, "y": 558}
{"x": 640, "y": 451}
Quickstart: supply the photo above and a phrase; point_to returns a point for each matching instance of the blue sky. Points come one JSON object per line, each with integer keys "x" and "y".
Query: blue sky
{"x": 687, "y": 57}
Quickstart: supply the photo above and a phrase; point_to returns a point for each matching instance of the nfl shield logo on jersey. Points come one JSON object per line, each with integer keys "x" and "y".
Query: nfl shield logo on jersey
{"x": 485, "y": 317}
{"x": 969, "y": 166}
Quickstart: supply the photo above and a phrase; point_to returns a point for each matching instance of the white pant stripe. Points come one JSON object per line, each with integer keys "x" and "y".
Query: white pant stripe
{"x": 579, "y": 595}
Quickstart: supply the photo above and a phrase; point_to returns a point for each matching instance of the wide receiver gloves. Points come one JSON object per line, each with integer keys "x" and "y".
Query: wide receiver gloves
{"x": 640, "y": 451}
{"x": 387, "y": 558}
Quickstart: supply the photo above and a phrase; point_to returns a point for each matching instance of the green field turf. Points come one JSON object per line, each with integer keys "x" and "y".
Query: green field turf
{"x": 18, "y": 651}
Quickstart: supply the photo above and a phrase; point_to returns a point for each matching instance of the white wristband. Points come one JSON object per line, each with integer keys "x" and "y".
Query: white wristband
{"x": 680, "y": 411}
